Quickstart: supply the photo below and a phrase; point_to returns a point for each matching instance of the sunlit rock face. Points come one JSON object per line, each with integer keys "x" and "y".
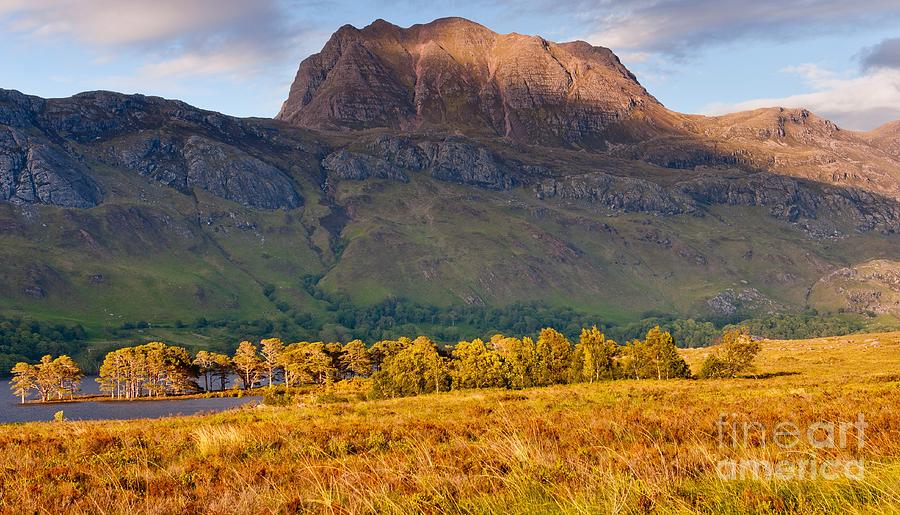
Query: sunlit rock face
{"x": 453, "y": 72}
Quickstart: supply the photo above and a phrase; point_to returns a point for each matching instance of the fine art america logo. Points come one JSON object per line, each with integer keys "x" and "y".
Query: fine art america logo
{"x": 803, "y": 445}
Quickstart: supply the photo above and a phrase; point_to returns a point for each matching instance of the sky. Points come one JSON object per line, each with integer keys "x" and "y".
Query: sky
{"x": 838, "y": 58}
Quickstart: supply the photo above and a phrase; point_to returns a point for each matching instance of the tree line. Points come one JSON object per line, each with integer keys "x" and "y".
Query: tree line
{"x": 395, "y": 368}
{"x": 29, "y": 340}
{"x": 341, "y": 320}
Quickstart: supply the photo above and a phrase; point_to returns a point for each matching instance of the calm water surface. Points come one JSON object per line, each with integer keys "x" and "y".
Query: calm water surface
{"x": 12, "y": 411}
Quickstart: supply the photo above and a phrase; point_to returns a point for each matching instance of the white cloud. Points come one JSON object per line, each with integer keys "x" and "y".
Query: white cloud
{"x": 861, "y": 102}
{"x": 678, "y": 27}
{"x": 174, "y": 37}
{"x": 636, "y": 57}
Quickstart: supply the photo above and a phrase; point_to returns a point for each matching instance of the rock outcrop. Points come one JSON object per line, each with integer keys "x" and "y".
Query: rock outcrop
{"x": 450, "y": 160}
{"x": 619, "y": 193}
{"x": 199, "y": 162}
{"x": 744, "y": 302}
{"x": 38, "y": 172}
{"x": 344, "y": 164}
{"x": 872, "y": 287}
{"x": 786, "y": 198}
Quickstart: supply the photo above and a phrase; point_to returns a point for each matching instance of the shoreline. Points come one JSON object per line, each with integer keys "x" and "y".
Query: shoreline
{"x": 106, "y": 398}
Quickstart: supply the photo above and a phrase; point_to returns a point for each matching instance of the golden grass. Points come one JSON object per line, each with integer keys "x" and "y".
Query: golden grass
{"x": 621, "y": 447}
{"x": 220, "y": 440}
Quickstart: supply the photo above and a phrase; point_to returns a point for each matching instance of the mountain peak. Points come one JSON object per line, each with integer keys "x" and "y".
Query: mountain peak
{"x": 457, "y": 74}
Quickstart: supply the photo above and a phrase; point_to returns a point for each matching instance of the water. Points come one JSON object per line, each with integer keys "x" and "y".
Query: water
{"x": 12, "y": 411}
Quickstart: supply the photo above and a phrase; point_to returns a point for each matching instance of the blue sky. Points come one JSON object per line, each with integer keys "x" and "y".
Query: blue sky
{"x": 840, "y": 59}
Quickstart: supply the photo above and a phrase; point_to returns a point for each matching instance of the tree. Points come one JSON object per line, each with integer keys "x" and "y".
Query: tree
{"x": 593, "y": 357}
{"x": 308, "y": 362}
{"x": 735, "y": 354}
{"x": 222, "y": 368}
{"x": 206, "y": 366}
{"x": 476, "y": 366}
{"x": 67, "y": 376}
{"x": 247, "y": 364}
{"x": 416, "y": 369}
{"x": 355, "y": 359}
{"x": 519, "y": 360}
{"x": 112, "y": 374}
{"x": 553, "y": 355}
{"x": 153, "y": 369}
{"x": 24, "y": 379}
{"x": 713, "y": 367}
{"x": 45, "y": 381}
{"x": 384, "y": 349}
{"x": 154, "y": 360}
{"x": 272, "y": 349}
{"x": 656, "y": 357}
{"x": 178, "y": 375}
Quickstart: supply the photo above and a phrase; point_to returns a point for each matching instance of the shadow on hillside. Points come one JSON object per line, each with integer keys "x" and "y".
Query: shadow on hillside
{"x": 770, "y": 375}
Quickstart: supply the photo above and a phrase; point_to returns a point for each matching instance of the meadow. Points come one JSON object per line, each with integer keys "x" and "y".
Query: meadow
{"x": 626, "y": 446}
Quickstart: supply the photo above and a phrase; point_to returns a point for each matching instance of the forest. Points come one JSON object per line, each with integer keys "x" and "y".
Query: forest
{"x": 28, "y": 340}
{"x": 393, "y": 368}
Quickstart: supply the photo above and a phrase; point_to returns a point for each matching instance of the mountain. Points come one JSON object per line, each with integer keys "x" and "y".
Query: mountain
{"x": 448, "y": 165}
{"x": 456, "y": 73}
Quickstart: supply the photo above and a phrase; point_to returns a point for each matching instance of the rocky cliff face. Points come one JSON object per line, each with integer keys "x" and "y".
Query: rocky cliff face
{"x": 451, "y": 160}
{"x": 453, "y": 72}
{"x": 463, "y": 161}
{"x": 33, "y": 171}
{"x": 33, "y": 168}
{"x": 798, "y": 143}
{"x": 216, "y": 167}
{"x": 48, "y": 148}
{"x": 786, "y": 198}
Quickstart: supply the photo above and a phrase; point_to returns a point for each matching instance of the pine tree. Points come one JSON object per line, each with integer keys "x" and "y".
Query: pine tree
{"x": 355, "y": 359}
{"x": 205, "y": 364}
{"x": 308, "y": 362}
{"x": 418, "y": 368}
{"x": 272, "y": 350}
{"x": 222, "y": 368}
{"x": 519, "y": 360}
{"x": 24, "y": 379}
{"x": 178, "y": 374}
{"x": 384, "y": 349}
{"x": 247, "y": 364}
{"x": 67, "y": 376}
{"x": 50, "y": 377}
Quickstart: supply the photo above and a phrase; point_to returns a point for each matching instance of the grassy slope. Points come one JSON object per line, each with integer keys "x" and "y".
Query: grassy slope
{"x": 444, "y": 243}
{"x": 164, "y": 256}
{"x": 868, "y": 286}
{"x": 626, "y": 446}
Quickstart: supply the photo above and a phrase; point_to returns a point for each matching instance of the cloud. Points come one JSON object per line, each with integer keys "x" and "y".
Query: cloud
{"x": 197, "y": 37}
{"x": 679, "y": 27}
{"x": 862, "y": 102}
{"x": 883, "y": 55}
